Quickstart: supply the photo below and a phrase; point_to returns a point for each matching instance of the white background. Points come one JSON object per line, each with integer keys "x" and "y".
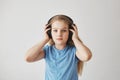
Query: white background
{"x": 21, "y": 27}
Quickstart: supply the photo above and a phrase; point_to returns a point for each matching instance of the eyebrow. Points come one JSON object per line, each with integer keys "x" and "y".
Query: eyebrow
{"x": 62, "y": 28}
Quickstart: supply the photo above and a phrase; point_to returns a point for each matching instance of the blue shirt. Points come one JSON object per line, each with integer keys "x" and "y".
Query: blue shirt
{"x": 61, "y": 64}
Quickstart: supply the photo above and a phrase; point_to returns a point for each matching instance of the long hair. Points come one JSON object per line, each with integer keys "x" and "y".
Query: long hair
{"x": 70, "y": 22}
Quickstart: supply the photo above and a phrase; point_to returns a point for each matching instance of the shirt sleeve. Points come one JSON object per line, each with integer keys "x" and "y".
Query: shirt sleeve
{"x": 45, "y": 49}
{"x": 74, "y": 51}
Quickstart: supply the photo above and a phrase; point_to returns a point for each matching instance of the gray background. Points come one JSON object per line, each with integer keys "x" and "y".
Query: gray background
{"x": 21, "y": 26}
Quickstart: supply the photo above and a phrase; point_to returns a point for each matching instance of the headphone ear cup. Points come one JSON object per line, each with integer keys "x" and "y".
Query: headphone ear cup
{"x": 49, "y": 32}
{"x": 70, "y": 35}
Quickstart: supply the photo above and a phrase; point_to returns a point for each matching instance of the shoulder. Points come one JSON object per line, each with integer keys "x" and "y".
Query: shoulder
{"x": 72, "y": 50}
{"x": 71, "y": 47}
{"x": 46, "y": 47}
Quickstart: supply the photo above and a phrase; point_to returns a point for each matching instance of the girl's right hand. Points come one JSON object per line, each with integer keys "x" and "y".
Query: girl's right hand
{"x": 46, "y": 36}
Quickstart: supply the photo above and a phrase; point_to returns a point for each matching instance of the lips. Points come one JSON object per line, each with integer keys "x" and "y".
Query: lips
{"x": 59, "y": 39}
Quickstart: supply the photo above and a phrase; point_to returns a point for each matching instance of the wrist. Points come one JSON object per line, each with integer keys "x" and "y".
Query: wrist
{"x": 76, "y": 40}
{"x": 45, "y": 40}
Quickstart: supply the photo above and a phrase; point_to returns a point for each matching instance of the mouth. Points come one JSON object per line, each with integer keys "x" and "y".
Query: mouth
{"x": 59, "y": 39}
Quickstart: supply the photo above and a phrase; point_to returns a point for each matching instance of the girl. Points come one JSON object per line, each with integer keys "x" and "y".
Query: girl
{"x": 66, "y": 53}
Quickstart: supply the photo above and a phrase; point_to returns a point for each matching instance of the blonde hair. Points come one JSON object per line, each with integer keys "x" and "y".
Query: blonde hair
{"x": 69, "y": 21}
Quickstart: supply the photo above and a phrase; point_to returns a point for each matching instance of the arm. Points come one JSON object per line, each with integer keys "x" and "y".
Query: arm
{"x": 36, "y": 52}
{"x": 83, "y": 52}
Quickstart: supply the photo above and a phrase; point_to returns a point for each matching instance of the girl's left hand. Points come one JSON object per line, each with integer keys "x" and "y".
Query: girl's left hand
{"x": 75, "y": 32}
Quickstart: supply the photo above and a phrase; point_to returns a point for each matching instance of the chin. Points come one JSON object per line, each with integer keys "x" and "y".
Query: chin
{"x": 59, "y": 43}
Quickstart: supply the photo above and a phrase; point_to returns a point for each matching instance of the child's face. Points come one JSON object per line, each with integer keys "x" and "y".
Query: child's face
{"x": 60, "y": 32}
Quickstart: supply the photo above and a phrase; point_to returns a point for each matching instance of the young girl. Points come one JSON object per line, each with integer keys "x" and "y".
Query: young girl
{"x": 65, "y": 53}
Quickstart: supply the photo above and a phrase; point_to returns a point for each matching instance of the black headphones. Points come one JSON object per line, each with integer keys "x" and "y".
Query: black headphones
{"x": 49, "y": 32}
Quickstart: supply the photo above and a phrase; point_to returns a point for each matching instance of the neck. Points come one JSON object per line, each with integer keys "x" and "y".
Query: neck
{"x": 60, "y": 47}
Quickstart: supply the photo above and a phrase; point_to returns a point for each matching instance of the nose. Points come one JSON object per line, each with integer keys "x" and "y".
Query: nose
{"x": 59, "y": 33}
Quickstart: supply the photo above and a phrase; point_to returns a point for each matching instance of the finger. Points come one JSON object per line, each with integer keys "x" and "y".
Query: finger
{"x": 47, "y": 29}
{"x": 47, "y": 26}
{"x": 72, "y": 30}
{"x": 75, "y": 27}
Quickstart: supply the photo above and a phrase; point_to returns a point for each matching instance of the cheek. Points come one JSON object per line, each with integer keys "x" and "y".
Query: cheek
{"x": 66, "y": 35}
{"x": 53, "y": 34}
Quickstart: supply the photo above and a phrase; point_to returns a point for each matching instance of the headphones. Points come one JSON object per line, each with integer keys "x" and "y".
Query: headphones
{"x": 70, "y": 21}
{"x": 49, "y": 32}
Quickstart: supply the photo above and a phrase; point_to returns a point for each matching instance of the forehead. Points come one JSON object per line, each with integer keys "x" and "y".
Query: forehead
{"x": 59, "y": 24}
